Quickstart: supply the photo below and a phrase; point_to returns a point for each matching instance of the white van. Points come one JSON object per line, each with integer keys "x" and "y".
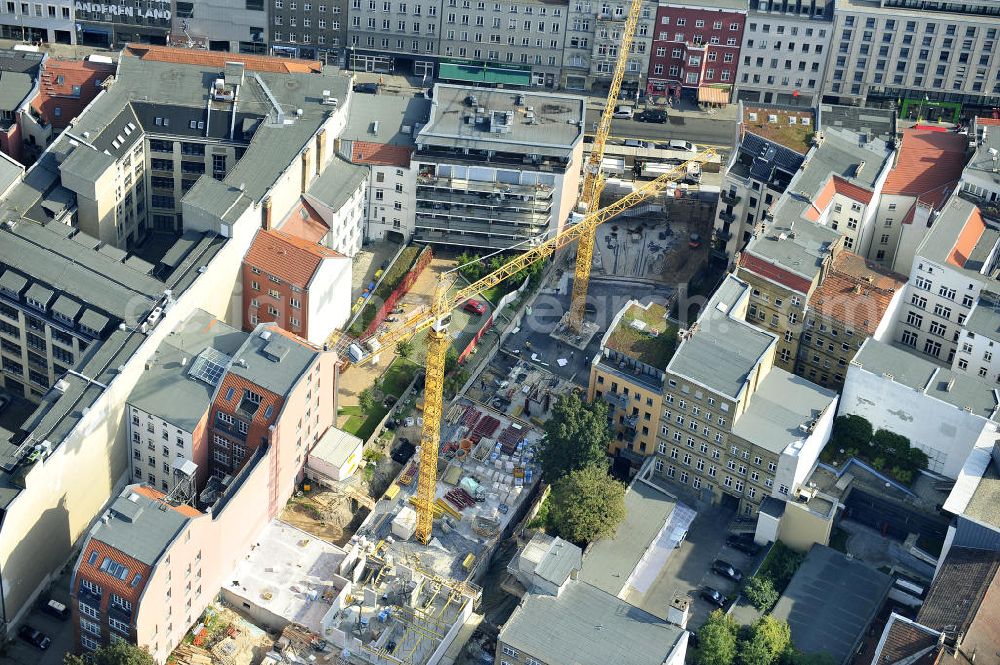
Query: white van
{"x": 686, "y": 146}
{"x": 623, "y": 112}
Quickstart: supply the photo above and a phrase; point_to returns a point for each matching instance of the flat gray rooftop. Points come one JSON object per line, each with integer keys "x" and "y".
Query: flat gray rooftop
{"x": 949, "y": 230}
{"x": 586, "y": 626}
{"x": 273, "y": 361}
{"x": 724, "y": 350}
{"x": 138, "y": 527}
{"x": 608, "y": 563}
{"x": 339, "y": 180}
{"x": 982, "y": 507}
{"x": 796, "y": 244}
{"x": 984, "y": 319}
{"x": 393, "y": 113}
{"x": 552, "y": 126}
{"x": 841, "y": 153}
{"x": 830, "y": 602}
{"x": 781, "y": 404}
{"x": 166, "y": 389}
{"x": 908, "y": 369}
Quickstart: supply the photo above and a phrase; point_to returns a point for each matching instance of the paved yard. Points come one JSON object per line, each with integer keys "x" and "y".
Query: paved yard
{"x": 61, "y": 633}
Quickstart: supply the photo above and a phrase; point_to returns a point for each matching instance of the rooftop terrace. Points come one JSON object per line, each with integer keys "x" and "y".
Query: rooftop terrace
{"x": 644, "y": 334}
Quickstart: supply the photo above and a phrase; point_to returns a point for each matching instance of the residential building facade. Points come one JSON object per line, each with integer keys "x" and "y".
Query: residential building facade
{"x": 30, "y": 23}
{"x": 530, "y": 183}
{"x": 237, "y": 26}
{"x": 955, "y": 261}
{"x": 784, "y": 52}
{"x": 929, "y": 59}
{"x": 979, "y": 342}
{"x": 696, "y": 46}
{"x": 627, "y": 373}
{"x": 310, "y": 30}
{"x": 721, "y": 430}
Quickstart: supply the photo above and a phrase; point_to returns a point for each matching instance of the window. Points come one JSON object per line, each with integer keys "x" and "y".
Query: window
{"x": 113, "y": 568}
{"x": 90, "y": 627}
{"x": 507, "y": 651}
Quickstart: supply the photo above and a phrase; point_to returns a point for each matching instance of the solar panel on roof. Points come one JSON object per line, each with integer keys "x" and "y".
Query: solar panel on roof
{"x": 209, "y": 366}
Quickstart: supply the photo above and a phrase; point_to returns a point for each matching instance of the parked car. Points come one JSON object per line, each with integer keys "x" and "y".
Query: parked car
{"x": 473, "y": 306}
{"x": 743, "y": 542}
{"x": 56, "y": 609}
{"x": 652, "y": 115}
{"x": 636, "y": 143}
{"x": 34, "y": 637}
{"x": 686, "y": 146}
{"x": 713, "y": 596}
{"x": 727, "y": 570}
{"x": 366, "y": 88}
{"x": 624, "y": 112}
{"x": 403, "y": 452}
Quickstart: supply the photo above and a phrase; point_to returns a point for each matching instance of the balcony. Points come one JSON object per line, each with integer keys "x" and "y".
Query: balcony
{"x": 496, "y": 227}
{"x": 496, "y": 200}
{"x": 730, "y": 199}
{"x": 727, "y": 217}
{"x": 442, "y": 211}
{"x": 459, "y": 185}
{"x": 616, "y": 400}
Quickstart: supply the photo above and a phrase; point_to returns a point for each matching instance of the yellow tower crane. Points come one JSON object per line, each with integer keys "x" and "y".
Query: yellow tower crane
{"x": 436, "y": 317}
{"x": 593, "y": 181}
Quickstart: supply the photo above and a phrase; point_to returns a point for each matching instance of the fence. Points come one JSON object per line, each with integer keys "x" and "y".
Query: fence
{"x": 404, "y": 285}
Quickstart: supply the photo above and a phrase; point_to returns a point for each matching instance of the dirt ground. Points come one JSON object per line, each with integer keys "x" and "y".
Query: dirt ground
{"x": 356, "y": 378}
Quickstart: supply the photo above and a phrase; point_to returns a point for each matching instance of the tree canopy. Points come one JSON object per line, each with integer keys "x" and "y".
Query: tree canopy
{"x": 761, "y": 593}
{"x": 576, "y": 436}
{"x": 769, "y": 639}
{"x": 119, "y": 653}
{"x": 717, "y": 640}
{"x": 586, "y": 505}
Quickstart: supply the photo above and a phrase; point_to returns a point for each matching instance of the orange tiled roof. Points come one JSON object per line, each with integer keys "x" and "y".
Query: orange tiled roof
{"x": 837, "y": 185}
{"x": 283, "y": 255}
{"x": 58, "y": 79}
{"x": 927, "y": 162}
{"x": 967, "y": 239}
{"x": 258, "y": 429}
{"x": 254, "y": 63}
{"x": 991, "y": 122}
{"x": 118, "y": 587}
{"x": 305, "y": 223}
{"x": 856, "y": 292}
{"x": 380, "y": 154}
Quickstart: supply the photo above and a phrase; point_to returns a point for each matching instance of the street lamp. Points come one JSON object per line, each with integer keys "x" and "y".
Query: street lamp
{"x": 920, "y": 109}
{"x": 351, "y": 67}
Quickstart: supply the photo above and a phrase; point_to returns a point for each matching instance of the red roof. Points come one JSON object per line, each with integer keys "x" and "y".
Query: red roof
{"x": 305, "y": 223}
{"x": 837, "y": 185}
{"x": 68, "y": 85}
{"x": 992, "y": 122}
{"x": 287, "y": 257}
{"x": 856, "y": 292}
{"x": 774, "y": 273}
{"x": 258, "y": 430}
{"x": 967, "y": 239}
{"x": 254, "y": 63}
{"x": 928, "y": 161}
{"x": 156, "y": 495}
{"x": 380, "y": 154}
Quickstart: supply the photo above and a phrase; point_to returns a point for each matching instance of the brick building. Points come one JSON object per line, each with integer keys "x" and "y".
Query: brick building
{"x": 696, "y": 48}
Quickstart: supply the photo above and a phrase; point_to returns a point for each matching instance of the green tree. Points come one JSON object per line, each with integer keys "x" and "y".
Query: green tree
{"x": 793, "y": 656}
{"x": 404, "y": 349}
{"x": 576, "y": 436}
{"x": 450, "y": 359}
{"x": 717, "y": 640}
{"x": 586, "y": 505}
{"x": 470, "y": 266}
{"x": 119, "y": 653}
{"x": 769, "y": 639}
{"x": 761, "y": 592}
{"x": 366, "y": 400}
{"x": 850, "y": 434}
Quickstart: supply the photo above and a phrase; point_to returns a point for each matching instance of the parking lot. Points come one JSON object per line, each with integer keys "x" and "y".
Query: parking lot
{"x": 689, "y": 568}
{"x": 60, "y": 632}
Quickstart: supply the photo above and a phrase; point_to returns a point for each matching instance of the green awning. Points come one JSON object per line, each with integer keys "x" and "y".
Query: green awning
{"x": 481, "y": 74}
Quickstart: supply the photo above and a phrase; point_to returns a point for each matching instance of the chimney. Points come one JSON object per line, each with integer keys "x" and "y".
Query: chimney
{"x": 306, "y": 167}
{"x": 677, "y": 613}
{"x": 320, "y": 151}
{"x": 265, "y": 222}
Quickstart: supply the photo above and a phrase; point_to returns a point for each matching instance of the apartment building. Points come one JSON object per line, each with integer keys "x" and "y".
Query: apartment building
{"x": 627, "y": 373}
{"x": 332, "y": 211}
{"x": 496, "y": 169}
{"x": 77, "y": 436}
{"x": 981, "y": 177}
{"x": 167, "y": 410}
{"x": 784, "y": 52}
{"x": 696, "y": 48}
{"x": 855, "y": 300}
{"x": 979, "y": 342}
{"x": 928, "y": 59}
{"x": 315, "y": 30}
{"x": 608, "y": 19}
{"x": 955, "y": 261}
{"x": 302, "y": 286}
{"x": 20, "y": 70}
{"x": 944, "y": 413}
{"x": 759, "y": 169}
{"x": 926, "y": 169}
{"x": 50, "y": 22}
{"x": 735, "y": 427}
{"x": 380, "y": 136}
